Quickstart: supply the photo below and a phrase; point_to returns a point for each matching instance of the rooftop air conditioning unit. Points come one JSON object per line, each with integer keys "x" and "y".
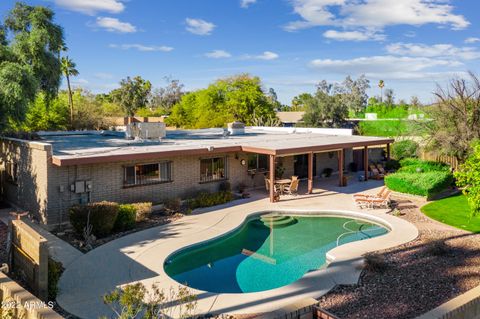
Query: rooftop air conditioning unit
{"x": 146, "y": 131}
{"x": 236, "y": 128}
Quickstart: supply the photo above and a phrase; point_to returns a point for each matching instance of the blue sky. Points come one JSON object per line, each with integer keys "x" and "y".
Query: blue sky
{"x": 290, "y": 44}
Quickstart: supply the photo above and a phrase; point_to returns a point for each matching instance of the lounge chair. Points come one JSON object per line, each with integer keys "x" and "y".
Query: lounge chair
{"x": 363, "y": 195}
{"x": 375, "y": 173}
{"x": 372, "y": 202}
{"x": 292, "y": 189}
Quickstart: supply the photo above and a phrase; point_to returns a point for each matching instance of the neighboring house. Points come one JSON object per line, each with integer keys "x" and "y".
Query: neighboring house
{"x": 47, "y": 176}
{"x": 290, "y": 119}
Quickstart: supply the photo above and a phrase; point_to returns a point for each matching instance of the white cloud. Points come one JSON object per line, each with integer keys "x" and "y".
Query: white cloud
{"x": 353, "y": 35}
{"x": 266, "y": 55}
{"x": 115, "y": 25}
{"x": 374, "y": 15}
{"x": 79, "y": 81}
{"x": 103, "y": 75}
{"x": 141, "y": 47}
{"x": 472, "y": 40}
{"x": 246, "y": 3}
{"x": 388, "y": 66}
{"x": 92, "y": 6}
{"x": 218, "y": 54}
{"x": 431, "y": 51}
{"x": 199, "y": 26}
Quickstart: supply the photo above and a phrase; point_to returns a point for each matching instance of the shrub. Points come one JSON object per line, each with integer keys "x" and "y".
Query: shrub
{"x": 423, "y": 184}
{"x": 392, "y": 165}
{"x": 206, "y": 199}
{"x": 126, "y": 217}
{"x": 414, "y": 165}
{"x": 404, "y": 149}
{"x": 173, "y": 205}
{"x": 102, "y": 217}
{"x": 143, "y": 210}
{"x": 55, "y": 270}
{"x": 224, "y": 187}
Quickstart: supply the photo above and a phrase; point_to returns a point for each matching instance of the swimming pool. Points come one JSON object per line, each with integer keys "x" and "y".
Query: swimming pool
{"x": 268, "y": 251}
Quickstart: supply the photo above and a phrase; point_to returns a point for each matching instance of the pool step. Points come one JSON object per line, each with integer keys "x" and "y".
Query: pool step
{"x": 276, "y": 221}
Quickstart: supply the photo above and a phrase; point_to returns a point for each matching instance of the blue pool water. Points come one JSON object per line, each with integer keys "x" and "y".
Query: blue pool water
{"x": 267, "y": 252}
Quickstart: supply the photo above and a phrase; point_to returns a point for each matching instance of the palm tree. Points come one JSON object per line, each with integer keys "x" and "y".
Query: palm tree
{"x": 68, "y": 69}
{"x": 381, "y": 84}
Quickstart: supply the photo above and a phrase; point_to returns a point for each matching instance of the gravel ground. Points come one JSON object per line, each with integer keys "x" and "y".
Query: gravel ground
{"x": 442, "y": 263}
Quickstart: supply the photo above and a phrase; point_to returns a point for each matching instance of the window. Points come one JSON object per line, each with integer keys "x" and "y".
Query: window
{"x": 146, "y": 174}
{"x": 258, "y": 162}
{"x": 11, "y": 169}
{"x": 213, "y": 169}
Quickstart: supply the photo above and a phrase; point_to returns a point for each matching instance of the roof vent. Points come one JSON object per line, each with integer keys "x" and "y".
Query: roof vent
{"x": 236, "y": 128}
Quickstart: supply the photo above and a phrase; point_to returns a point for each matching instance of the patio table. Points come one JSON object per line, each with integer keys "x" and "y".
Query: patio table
{"x": 283, "y": 182}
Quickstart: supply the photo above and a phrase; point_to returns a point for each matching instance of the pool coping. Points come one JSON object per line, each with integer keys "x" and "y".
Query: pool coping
{"x": 140, "y": 257}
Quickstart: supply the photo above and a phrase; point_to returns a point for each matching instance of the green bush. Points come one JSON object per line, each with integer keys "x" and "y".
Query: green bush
{"x": 206, "y": 199}
{"x": 102, "y": 217}
{"x": 55, "y": 270}
{"x": 415, "y": 165}
{"x": 126, "y": 217}
{"x": 423, "y": 184}
{"x": 404, "y": 149}
{"x": 143, "y": 210}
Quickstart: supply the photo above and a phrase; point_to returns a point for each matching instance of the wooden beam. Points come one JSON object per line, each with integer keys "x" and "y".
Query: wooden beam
{"x": 310, "y": 173}
{"x": 365, "y": 161}
{"x": 340, "y": 167}
{"x": 388, "y": 151}
{"x": 272, "y": 178}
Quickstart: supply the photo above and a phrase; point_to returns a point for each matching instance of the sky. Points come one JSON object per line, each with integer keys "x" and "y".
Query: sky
{"x": 413, "y": 45}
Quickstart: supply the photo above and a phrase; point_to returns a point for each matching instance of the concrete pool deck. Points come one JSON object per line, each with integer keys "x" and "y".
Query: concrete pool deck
{"x": 139, "y": 257}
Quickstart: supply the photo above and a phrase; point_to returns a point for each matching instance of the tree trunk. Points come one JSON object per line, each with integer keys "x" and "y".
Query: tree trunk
{"x": 70, "y": 100}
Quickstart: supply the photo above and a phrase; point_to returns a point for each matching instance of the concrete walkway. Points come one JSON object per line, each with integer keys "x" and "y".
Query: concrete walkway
{"x": 140, "y": 256}
{"x": 58, "y": 249}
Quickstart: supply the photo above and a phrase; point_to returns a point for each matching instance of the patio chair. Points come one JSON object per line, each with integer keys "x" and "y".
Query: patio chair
{"x": 381, "y": 169}
{"x": 292, "y": 189}
{"x": 363, "y": 195}
{"x": 375, "y": 173}
{"x": 372, "y": 202}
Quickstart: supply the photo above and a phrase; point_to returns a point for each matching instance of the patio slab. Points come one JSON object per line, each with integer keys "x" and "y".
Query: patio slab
{"x": 139, "y": 257}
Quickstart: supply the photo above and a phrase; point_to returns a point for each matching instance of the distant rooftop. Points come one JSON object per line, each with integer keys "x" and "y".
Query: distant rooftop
{"x": 71, "y": 148}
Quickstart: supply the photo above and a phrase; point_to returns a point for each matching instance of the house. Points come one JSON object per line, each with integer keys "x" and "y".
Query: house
{"x": 47, "y": 176}
{"x": 290, "y": 119}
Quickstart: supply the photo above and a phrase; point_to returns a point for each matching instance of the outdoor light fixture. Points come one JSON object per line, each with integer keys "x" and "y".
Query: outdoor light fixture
{"x": 243, "y": 162}
{"x": 210, "y": 148}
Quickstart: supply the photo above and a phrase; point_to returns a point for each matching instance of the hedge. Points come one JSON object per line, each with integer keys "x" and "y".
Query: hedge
{"x": 205, "y": 199}
{"x": 102, "y": 217}
{"x": 126, "y": 217}
{"x": 423, "y": 184}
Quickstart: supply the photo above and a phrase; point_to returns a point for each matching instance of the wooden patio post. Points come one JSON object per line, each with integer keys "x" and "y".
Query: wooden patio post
{"x": 340, "y": 167}
{"x": 272, "y": 178}
{"x": 365, "y": 162}
{"x": 388, "y": 151}
{"x": 310, "y": 173}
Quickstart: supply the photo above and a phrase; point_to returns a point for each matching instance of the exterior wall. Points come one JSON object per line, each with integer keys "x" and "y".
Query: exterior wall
{"x": 327, "y": 160}
{"x": 30, "y": 192}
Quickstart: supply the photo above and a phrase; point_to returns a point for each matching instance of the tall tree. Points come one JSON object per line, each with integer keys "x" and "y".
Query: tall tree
{"x": 326, "y": 108}
{"x": 389, "y": 97}
{"x": 381, "y": 84}
{"x": 238, "y": 98}
{"x": 29, "y": 45}
{"x": 69, "y": 69}
{"x": 299, "y": 102}
{"x": 165, "y": 98}
{"x": 133, "y": 93}
{"x": 355, "y": 93}
{"x": 455, "y": 117}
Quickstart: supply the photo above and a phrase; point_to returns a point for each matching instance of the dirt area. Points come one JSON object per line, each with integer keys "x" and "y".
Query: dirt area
{"x": 442, "y": 263}
{"x": 156, "y": 219}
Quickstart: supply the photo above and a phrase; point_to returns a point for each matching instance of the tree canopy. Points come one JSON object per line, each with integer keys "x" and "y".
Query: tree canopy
{"x": 236, "y": 98}
{"x": 133, "y": 94}
{"x": 468, "y": 177}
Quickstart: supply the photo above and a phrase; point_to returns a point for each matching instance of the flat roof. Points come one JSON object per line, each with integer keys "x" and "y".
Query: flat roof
{"x": 76, "y": 148}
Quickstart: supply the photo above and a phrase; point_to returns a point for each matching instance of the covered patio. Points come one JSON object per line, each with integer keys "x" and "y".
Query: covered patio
{"x": 276, "y": 150}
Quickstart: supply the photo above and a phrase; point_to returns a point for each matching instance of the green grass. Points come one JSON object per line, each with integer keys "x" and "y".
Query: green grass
{"x": 453, "y": 211}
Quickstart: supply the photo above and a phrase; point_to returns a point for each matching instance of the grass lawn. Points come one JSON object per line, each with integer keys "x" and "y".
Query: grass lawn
{"x": 453, "y": 211}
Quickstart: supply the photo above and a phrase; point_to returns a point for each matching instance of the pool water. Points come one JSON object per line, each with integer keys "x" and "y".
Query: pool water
{"x": 267, "y": 252}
